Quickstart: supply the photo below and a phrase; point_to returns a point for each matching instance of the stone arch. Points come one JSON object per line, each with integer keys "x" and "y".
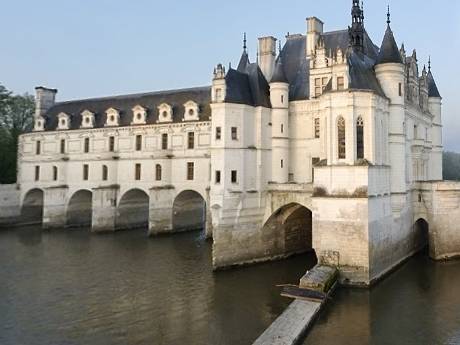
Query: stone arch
{"x": 189, "y": 211}
{"x": 32, "y": 206}
{"x": 133, "y": 210}
{"x": 291, "y": 227}
{"x": 421, "y": 234}
{"x": 80, "y": 209}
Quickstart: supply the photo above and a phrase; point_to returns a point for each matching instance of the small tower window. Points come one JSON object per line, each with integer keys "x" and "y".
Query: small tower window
{"x": 415, "y": 132}
{"x": 38, "y": 147}
{"x": 282, "y": 98}
{"x": 282, "y": 164}
{"x": 137, "y": 172}
{"x": 158, "y": 172}
{"x": 105, "y": 173}
{"x": 217, "y": 176}
{"x": 341, "y": 138}
{"x": 360, "y": 138}
{"x": 340, "y": 83}
{"x": 62, "y": 146}
{"x": 138, "y": 142}
{"x": 86, "y": 145}
{"x": 55, "y": 173}
{"x": 190, "y": 171}
{"x": 111, "y": 144}
{"x": 282, "y": 128}
{"x": 234, "y": 133}
{"x": 218, "y": 133}
{"x": 400, "y": 89}
{"x": 37, "y": 173}
{"x": 85, "y": 172}
{"x": 190, "y": 140}
{"x": 164, "y": 141}
{"x": 234, "y": 176}
{"x": 317, "y": 128}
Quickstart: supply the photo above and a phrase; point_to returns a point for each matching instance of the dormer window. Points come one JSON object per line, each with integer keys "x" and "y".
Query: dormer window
{"x": 165, "y": 113}
{"x": 191, "y": 111}
{"x": 63, "y": 121}
{"x": 340, "y": 83}
{"x": 113, "y": 117}
{"x": 88, "y": 119}
{"x": 139, "y": 115}
{"x": 39, "y": 124}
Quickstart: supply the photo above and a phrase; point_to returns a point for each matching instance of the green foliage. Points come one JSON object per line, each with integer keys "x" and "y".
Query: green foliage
{"x": 16, "y": 117}
{"x": 451, "y": 166}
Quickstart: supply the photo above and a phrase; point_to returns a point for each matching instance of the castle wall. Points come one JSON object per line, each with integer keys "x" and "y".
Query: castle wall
{"x": 9, "y": 202}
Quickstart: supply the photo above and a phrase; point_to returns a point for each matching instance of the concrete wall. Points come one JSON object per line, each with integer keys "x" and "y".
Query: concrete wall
{"x": 9, "y": 203}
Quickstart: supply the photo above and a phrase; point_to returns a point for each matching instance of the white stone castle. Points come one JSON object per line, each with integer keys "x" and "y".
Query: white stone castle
{"x": 332, "y": 144}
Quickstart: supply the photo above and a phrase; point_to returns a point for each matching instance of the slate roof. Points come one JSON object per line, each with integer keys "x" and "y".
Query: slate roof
{"x": 432, "y": 88}
{"x": 124, "y": 104}
{"x": 340, "y": 39}
{"x": 362, "y": 74}
{"x": 389, "y": 52}
{"x": 278, "y": 75}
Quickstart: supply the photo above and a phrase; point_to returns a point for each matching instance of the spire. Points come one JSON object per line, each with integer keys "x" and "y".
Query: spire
{"x": 356, "y": 30}
{"x": 389, "y": 52}
{"x": 279, "y": 76}
{"x": 432, "y": 87}
{"x": 388, "y": 16}
{"x": 244, "y": 60}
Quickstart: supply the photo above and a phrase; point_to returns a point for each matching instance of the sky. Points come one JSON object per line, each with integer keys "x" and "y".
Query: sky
{"x": 92, "y": 48}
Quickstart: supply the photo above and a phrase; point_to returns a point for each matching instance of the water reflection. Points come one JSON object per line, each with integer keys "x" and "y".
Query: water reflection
{"x": 419, "y": 304}
{"x": 70, "y": 287}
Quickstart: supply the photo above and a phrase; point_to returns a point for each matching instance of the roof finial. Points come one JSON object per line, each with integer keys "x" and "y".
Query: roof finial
{"x": 388, "y": 16}
{"x": 244, "y": 42}
{"x": 429, "y": 63}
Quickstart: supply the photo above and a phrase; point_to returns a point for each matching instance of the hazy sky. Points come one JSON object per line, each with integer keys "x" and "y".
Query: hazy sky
{"x": 89, "y": 48}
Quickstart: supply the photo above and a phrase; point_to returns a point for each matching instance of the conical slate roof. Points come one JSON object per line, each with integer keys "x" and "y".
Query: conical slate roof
{"x": 389, "y": 52}
{"x": 432, "y": 88}
{"x": 244, "y": 62}
{"x": 278, "y": 75}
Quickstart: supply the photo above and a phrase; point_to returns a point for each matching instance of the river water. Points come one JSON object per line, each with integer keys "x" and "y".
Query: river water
{"x": 69, "y": 287}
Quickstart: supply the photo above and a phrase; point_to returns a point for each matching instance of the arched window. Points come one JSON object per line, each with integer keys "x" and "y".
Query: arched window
{"x": 360, "y": 138}
{"x": 341, "y": 138}
{"x": 105, "y": 173}
{"x": 158, "y": 172}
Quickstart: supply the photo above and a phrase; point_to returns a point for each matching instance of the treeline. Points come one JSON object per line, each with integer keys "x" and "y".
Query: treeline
{"x": 16, "y": 117}
{"x": 451, "y": 166}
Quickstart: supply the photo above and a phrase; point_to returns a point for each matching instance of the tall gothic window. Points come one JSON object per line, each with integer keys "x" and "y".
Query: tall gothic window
{"x": 158, "y": 172}
{"x": 341, "y": 138}
{"x": 360, "y": 138}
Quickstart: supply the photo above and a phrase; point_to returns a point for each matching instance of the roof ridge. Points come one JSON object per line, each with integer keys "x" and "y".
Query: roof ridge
{"x": 134, "y": 95}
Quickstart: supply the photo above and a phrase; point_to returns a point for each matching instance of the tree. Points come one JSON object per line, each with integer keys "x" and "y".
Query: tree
{"x": 16, "y": 117}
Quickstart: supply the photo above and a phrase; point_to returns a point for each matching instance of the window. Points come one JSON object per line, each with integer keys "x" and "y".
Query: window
{"x": 62, "y": 149}
{"x": 234, "y": 133}
{"x": 218, "y": 133}
{"x": 55, "y": 173}
{"x": 138, "y": 142}
{"x": 164, "y": 141}
{"x": 137, "y": 172}
{"x": 341, "y": 138}
{"x": 400, "y": 89}
{"x": 85, "y": 172}
{"x": 218, "y": 95}
{"x": 282, "y": 164}
{"x": 158, "y": 172}
{"x": 317, "y": 128}
{"x": 415, "y": 131}
{"x": 282, "y": 128}
{"x": 360, "y": 138}
{"x": 38, "y": 147}
{"x": 314, "y": 161}
{"x": 105, "y": 173}
{"x": 340, "y": 83}
{"x": 37, "y": 173}
{"x": 191, "y": 140}
{"x": 320, "y": 85}
{"x": 234, "y": 176}
{"x": 217, "y": 179}
{"x": 111, "y": 144}
{"x": 190, "y": 171}
{"x": 282, "y": 99}
{"x": 86, "y": 148}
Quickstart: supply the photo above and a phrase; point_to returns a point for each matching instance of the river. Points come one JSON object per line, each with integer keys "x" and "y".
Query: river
{"x": 70, "y": 287}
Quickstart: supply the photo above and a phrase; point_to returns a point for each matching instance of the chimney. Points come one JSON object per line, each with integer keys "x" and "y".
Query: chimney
{"x": 314, "y": 31}
{"x": 44, "y": 100}
{"x": 267, "y": 56}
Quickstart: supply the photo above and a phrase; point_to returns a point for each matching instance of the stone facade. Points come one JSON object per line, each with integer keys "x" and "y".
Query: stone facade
{"x": 325, "y": 145}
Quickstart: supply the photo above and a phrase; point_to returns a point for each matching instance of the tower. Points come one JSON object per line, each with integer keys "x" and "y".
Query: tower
{"x": 279, "y": 97}
{"x": 356, "y": 30}
{"x": 389, "y": 70}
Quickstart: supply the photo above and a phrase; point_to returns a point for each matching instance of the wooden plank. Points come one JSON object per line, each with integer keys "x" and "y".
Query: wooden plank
{"x": 296, "y": 292}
